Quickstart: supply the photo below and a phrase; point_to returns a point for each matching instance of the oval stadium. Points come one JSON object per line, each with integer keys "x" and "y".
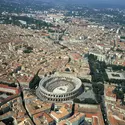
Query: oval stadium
{"x": 59, "y": 88}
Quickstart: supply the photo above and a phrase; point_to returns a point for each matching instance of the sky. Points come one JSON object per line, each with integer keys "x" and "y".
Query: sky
{"x": 91, "y": 3}
{"x": 98, "y": 2}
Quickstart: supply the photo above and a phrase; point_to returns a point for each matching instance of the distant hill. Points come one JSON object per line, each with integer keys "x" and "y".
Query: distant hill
{"x": 46, "y": 4}
{"x": 23, "y": 5}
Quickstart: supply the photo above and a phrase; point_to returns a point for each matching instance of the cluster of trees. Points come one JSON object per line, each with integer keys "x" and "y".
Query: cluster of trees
{"x": 119, "y": 91}
{"x": 98, "y": 89}
{"x": 35, "y": 81}
{"x": 8, "y": 120}
{"x": 119, "y": 50}
{"x": 116, "y": 67}
{"x": 97, "y": 69}
{"x": 85, "y": 101}
{"x": 24, "y": 6}
{"x": 97, "y": 16}
{"x": 99, "y": 75}
{"x": 12, "y": 85}
{"x": 117, "y": 81}
{"x": 89, "y": 101}
{"x": 28, "y": 49}
{"x": 30, "y": 22}
{"x": 85, "y": 80}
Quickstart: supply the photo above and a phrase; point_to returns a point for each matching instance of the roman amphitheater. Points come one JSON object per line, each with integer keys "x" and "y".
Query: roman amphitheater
{"x": 59, "y": 88}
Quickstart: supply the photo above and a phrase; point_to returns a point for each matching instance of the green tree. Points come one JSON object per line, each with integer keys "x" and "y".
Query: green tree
{"x": 76, "y": 100}
{"x": 98, "y": 88}
{"x": 89, "y": 101}
{"x": 35, "y": 81}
